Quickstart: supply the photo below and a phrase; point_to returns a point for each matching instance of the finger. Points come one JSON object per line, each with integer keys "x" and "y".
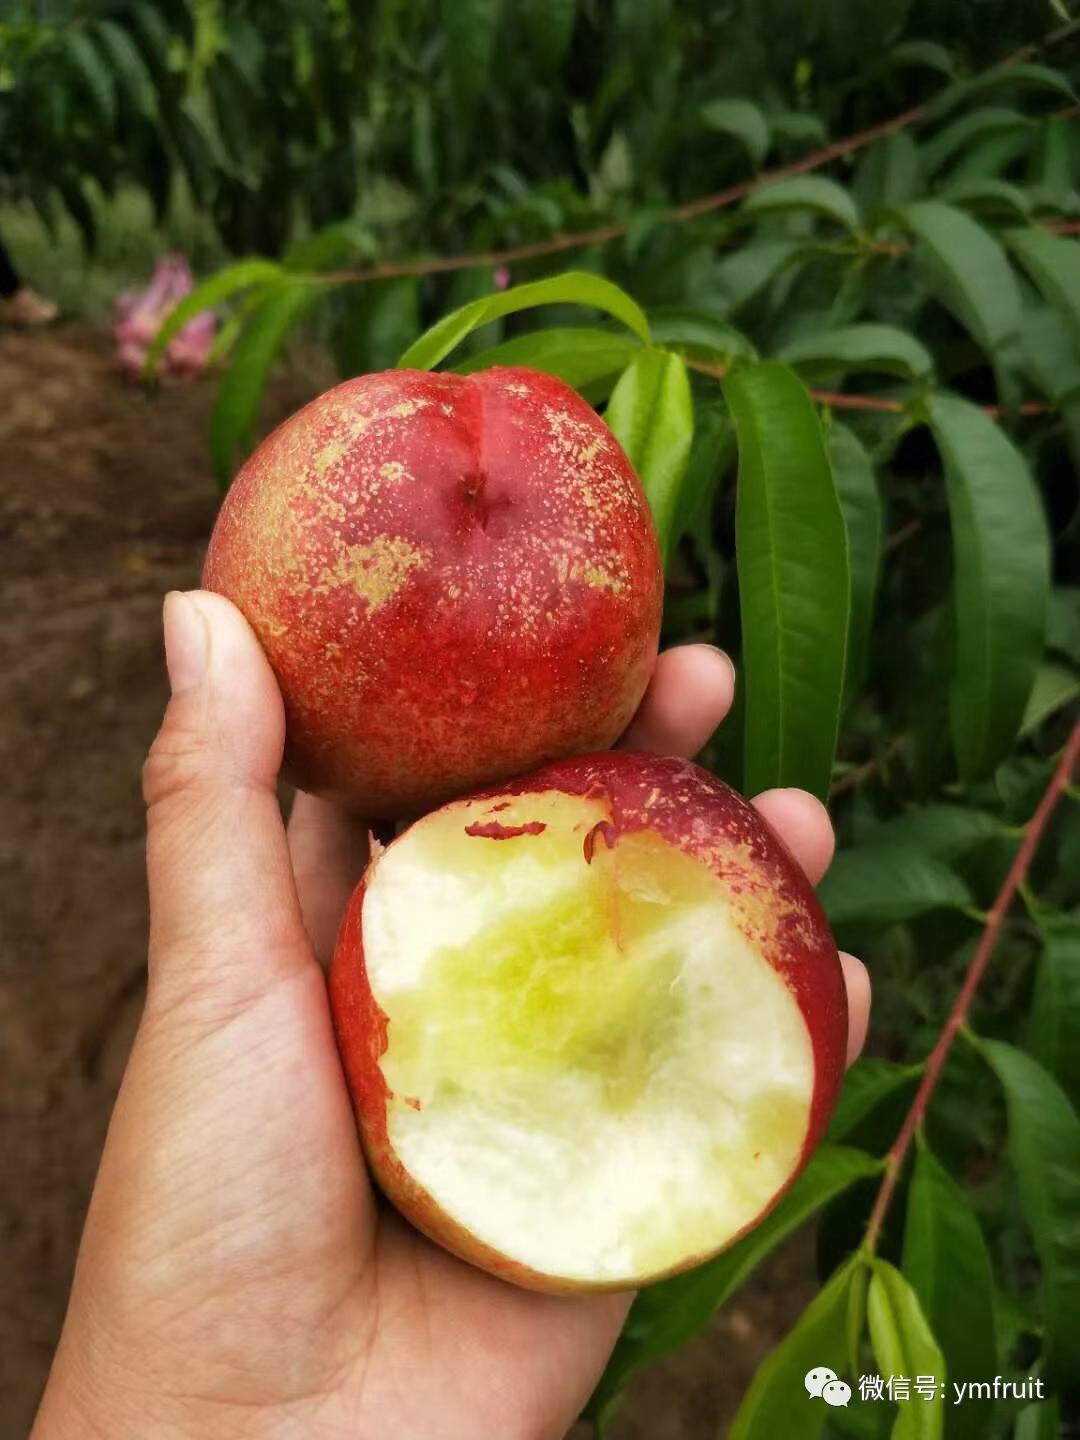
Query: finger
{"x": 689, "y": 694}
{"x": 225, "y": 921}
{"x": 857, "y": 980}
{"x": 329, "y": 852}
{"x": 803, "y": 824}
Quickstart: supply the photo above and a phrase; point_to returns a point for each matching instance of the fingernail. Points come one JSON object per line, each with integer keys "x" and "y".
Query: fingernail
{"x": 727, "y": 660}
{"x": 187, "y": 642}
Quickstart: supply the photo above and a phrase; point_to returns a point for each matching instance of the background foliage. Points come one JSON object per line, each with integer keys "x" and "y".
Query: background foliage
{"x": 853, "y": 395}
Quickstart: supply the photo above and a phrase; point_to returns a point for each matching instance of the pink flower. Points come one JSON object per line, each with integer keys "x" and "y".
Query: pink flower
{"x": 189, "y": 351}
{"x": 141, "y": 314}
{"x": 501, "y": 278}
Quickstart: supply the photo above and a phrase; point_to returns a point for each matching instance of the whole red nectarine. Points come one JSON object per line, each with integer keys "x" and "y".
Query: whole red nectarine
{"x": 593, "y": 1021}
{"x": 454, "y": 578}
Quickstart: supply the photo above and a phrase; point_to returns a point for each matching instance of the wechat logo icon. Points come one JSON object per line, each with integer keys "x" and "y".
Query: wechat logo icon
{"x": 822, "y": 1383}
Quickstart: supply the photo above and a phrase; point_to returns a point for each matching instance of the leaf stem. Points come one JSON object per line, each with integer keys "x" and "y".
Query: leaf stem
{"x": 956, "y": 1020}
{"x": 902, "y": 535}
{"x": 854, "y": 777}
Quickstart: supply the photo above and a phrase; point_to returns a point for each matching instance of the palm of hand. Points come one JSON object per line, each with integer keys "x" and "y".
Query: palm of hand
{"x": 385, "y": 1334}
{"x": 237, "y": 1275}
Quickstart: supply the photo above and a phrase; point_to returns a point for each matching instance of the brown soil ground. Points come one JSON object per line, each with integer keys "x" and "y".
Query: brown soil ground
{"x": 106, "y": 502}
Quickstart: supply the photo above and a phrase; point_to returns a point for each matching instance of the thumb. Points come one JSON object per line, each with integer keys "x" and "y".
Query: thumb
{"x": 224, "y": 916}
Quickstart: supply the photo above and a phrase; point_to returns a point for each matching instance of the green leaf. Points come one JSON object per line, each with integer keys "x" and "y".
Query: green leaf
{"x": 241, "y": 276}
{"x": 1000, "y": 582}
{"x": 642, "y": 25}
{"x": 699, "y": 334}
{"x": 332, "y": 245}
{"x": 422, "y": 149}
{"x": 1001, "y": 77}
{"x": 153, "y": 31}
{"x": 1041, "y": 1421}
{"x": 776, "y": 1402}
{"x": 474, "y": 283}
{"x": 988, "y": 159}
{"x": 791, "y": 549}
{"x": 889, "y": 174}
{"x": 549, "y": 26}
{"x": 1055, "y": 1006}
{"x": 942, "y": 832}
{"x": 581, "y": 357}
{"x": 576, "y": 287}
{"x": 236, "y": 409}
{"x": 904, "y": 1345}
{"x": 743, "y": 275}
{"x": 1050, "y": 351}
{"x": 710, "y": 457}
{"x": 994, "y": 195}
{"x": 1063, "y": 622}
{"x": 470, "y": 29}
{"x": 379, "y": 318}
{"x": 866, "y": 1085}
{"x": 652, "y": 416}
{"x": 87, "y": 62}
{"x": 743, "y": 121}
{"x": 949, "y": 1268}
{"x": 1055, "y": 687}
{"x": 867, "y": 346}
{"x": 226, "y": 337}
{"x": 856, "y": 1313}
{"x": 856, "y": 487}
{"x": 73, "y": 193}
{"x": 923, "y": 52}
{"x": 198, "y": 110}
{"x": 969, "y": 271}
{"x": 135, "y": 80}
{"x": 196, "y": 157}
{"x": 1044, "y": 1146}
{"x": 668, "y": 1314}
{"x": 957, "y": 136}
{"x": 805, "y": 192}
{"x": 1054, "y": 264}
{"x": 1055, "y": 168}
{"x": 884, "y": 884}
{"x": 801, "y": 127}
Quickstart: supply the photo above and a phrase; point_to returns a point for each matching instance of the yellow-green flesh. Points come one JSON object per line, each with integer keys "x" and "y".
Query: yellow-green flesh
{"x": 591, "y": 1068}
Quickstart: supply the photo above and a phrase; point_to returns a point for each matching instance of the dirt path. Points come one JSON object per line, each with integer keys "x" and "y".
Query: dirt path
{"x": 105, "y": 503}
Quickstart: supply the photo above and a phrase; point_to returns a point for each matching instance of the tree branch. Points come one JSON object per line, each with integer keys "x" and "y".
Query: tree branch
{"x": 894, "y": 1161}
{"x": 839, "y": 400}
{"x": 690, "y": 210}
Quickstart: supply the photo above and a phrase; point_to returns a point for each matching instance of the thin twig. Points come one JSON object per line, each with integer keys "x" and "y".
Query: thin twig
{"x": 836, "y": 150}
{"x": 894, "y": 1161}
{"x": 840, "y": 400}
{"x": 1055, "y": 37}
{"x": 835, "y": 398}
{"x": 902, "y": 535}
{"x": 445, "y": 264}
{"x": 854, "y": 778}
{"x": 1030, "y": 407}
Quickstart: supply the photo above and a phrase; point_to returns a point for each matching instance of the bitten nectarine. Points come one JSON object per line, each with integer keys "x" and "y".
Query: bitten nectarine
{"x": 454, "y": 579}
{"x": 593, "y": 1021}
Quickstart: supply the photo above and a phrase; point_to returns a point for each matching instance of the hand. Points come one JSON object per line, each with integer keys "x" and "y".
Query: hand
{"x": 236, "y": 1275}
